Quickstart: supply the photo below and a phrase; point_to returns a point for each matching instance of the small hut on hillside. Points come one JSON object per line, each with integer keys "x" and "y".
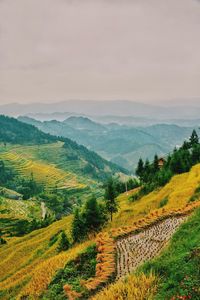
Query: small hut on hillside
{"x": 161, "y": 162}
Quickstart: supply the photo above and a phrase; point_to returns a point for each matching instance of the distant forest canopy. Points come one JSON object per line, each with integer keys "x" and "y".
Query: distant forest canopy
{"x": 152, "y": 175}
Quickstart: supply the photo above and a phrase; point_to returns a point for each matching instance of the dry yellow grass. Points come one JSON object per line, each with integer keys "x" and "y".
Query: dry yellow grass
{"x": 43, "y": 273}
{"x": 132, "y": 288}
{"x": 22, "y": 255}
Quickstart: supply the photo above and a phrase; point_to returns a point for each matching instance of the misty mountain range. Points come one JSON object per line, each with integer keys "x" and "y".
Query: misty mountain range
{"x": 121, "y": 144}
{"x": 107, "y": 108}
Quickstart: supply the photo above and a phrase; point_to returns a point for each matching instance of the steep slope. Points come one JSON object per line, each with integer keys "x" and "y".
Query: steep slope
{"x": 16, "y": 132}
{"x": 29, "y": 264}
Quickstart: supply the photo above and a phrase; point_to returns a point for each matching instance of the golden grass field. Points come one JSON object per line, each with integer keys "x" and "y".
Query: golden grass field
{"x": 28, "y": 264}
{"x": 132, "y": 288}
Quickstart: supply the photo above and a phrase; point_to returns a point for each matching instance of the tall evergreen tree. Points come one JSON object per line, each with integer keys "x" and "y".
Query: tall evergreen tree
{"x": 194, "y": 139}
{"x": 155, "y": 163}
{"x": 110, "y": 198}
{"x": 140, "y": 168}
{"x": 92, "y": 215}
{"x": 78, "y": 227}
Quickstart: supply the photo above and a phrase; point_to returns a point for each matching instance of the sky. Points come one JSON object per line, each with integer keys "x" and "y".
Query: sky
{"x": 140, "y": 50}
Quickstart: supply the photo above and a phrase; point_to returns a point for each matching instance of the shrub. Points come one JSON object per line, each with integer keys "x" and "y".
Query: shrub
{"x": 163, "y": 202}
{"x": 64, "y": 243}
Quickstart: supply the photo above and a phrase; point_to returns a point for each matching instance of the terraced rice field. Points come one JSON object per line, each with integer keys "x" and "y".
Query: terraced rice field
{"x": 136, "y": 249}
{"x": 46, "y": 174}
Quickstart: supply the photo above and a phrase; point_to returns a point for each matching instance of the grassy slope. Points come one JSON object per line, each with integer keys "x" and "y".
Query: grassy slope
{"x": 178, "y": 191}
{"x": 25, "y": 260}
{"x": 174, "y": 275}
{"x": 179, "y": 265}
{"x": 25, "y": 164}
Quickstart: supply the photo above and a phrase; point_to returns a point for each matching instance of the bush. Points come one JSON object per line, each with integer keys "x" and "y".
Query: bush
{"x": 163, "y": 202}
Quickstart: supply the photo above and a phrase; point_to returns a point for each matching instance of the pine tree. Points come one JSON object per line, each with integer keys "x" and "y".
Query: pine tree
{"x": 140, "y": 168}
{"x": 111, "y": 203}
{"x": 155, "y": 163}
{"x": 194, "y": 139}
{"x": 92, "y": 215}
{"x": 64, "y": 243}
{"x": 78, "y": 227}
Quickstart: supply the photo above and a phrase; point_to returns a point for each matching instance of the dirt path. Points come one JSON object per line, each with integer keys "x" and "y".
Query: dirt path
{"x": 44, "y": 210}
{"x": 135, "y": 249}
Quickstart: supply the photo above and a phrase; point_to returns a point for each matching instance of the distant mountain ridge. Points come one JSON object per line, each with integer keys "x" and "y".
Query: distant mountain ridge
{"x": 123, "y": 145}
{"x": 102, "y": 108}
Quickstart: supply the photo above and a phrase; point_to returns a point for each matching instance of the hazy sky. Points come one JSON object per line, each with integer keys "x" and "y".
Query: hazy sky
{"x": 52, "y": 50}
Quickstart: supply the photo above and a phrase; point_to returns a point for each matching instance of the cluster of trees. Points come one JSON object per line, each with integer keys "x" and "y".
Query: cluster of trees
{"x": 88, "y": 219}
{"x": 94, "y": 214}
{"x": 122, "y": 186}
{"x": 64, "y": 243}
{"x": 180, "y": 161}
{"x": 6, "y": 174}
{"x": 23, "y": 227}
{"x": 27, "y": 187}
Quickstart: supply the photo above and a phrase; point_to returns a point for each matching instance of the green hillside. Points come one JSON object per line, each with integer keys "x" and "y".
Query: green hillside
{"x": 45, "y": 168}
{"x": 14, "y": 132}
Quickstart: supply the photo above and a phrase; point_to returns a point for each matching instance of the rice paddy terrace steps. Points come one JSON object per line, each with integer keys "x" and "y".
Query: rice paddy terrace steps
{"x": 46, "y": 174}
{"x": 138, "y": 248}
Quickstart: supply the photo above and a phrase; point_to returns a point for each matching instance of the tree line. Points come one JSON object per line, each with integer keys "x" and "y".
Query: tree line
{"x": 152, "y": 175}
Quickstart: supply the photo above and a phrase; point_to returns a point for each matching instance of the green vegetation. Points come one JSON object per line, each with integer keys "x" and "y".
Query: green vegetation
{"x": 13, "y": 212}
{"x": 180, "y": 161}
{"x": 2, "y": 240}
{"x": 196, "y": 195}
{"x": 73, "y": 273}
{"x": 179, "y": 265}
{"x": 110, "y": 198}
{"x": 123, "y": 145}
{"x": 163, "y": 202}
{"x": 64, "y": 243}
{"x": 89, "y": 219}
{"x": 15, "y": 132}
{"x": 22, "y": 227}
{"x": 6, "y": 174}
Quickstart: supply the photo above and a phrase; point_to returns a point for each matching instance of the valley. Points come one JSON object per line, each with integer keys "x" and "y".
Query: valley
{"x": 121, "y": 144}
